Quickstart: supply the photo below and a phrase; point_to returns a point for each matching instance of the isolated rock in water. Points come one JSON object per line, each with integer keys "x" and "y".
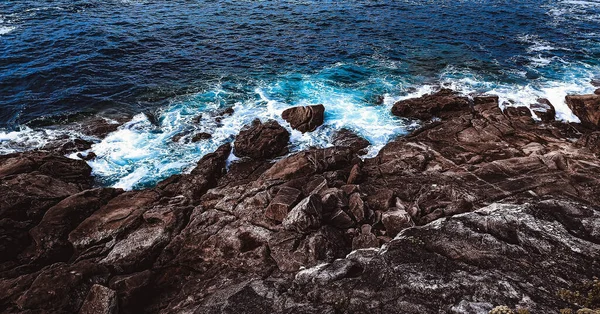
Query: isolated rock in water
{"x": 100, "y": 300}
{"x": 304, "y": 119}
{"x": 586, "y": 108}
{"x": 544, "y": 110}
{"x": 305, "y": 216}
{"x": 347, "y": 138}
{"x": 438, "y": 104}
{"x": 201, "y": 136}
{"x": 262, "y": 140}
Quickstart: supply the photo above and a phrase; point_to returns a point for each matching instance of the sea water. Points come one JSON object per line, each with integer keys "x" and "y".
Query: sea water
{"x": 186, "y": 61}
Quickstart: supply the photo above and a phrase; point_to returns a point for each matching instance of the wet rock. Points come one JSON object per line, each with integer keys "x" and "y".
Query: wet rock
{"x": 87, "y": 157}
{"x": 304, "y": 119}
{"x": 100, "y": 127}
{"x": 262, "y": 140}
{"x": 395, "y": 221}
{"x": 438, "y": 104}
{"x": 586, "y": 108}
{"x": 282, "y": 203}
{"x": 544, "y": 110}
{"x": 347, "y": 138}
{"x": 201, "y": 136}
{"x": 75, "y": 145}
{"x": 305, "y": 216}
{"x": 204, "y": 176}
{"x": 100, "y": 300}
{"x": 597, "y": 92}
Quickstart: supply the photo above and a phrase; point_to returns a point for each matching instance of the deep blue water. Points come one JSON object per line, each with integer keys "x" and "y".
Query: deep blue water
{"x": 181, "y": 58}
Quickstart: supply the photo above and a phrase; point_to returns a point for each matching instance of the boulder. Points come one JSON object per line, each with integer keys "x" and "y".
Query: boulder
{"x": 347, "y": 138}
{"x": 304, "y": 119}
{"x": 309, "y": 162}
{"x": 586, "y": 108}
{"x": 262, "y": 140}
{"x": 395, "y": 221}
{"x": 305, "y": 216}
{"x": 544, "y": 110}
{"x": 366, "y": 239}
{"x": 282, "y": 203}
{"x": 100, "y": 300}
{"x": 438, "y": 104}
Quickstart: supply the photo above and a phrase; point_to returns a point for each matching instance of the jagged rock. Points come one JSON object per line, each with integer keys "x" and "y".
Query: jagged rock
{"x": 262, "y": 140}
{"x": 204, "y": 176}
{"x": 50, "y": 241}
{"x": 395, "y": 221}
{"x": 586, "y": 108}
{"x": 590, "y": 141}
{"x": 304, "y": 119}
{"x": 309, "y": 162}
{"x": 61, "y": 288}
{"x": 305, "y": 216}
{"x": 291, "y": 251}
{"x": 544, "y": 110}
{"x": 520, "y": 111}
{"x": 281, "y": 204}
{"x": 340, "y": 219}
{"x": 347, "y": 138}
{"x": 382, "y": 200}
{"x": 426, "y": 107}
{"x": 100, "y": 300}
{"x": 71, "y": 146}
{"x": 55, "y": 166}
{"x": 365, "y": 239}
{"x": 597, "y": 92}
{"x": 100, "y": 127}
{"x": 130, "y": 290}
{"x": 356, "y": 207}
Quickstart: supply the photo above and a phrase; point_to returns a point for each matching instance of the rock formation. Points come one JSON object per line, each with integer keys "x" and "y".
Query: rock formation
{"x": 477, "y": 209}
{"x": 304, "y": 119}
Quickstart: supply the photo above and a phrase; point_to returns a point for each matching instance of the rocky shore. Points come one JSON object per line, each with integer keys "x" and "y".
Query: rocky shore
{"x": 479, "y": 208}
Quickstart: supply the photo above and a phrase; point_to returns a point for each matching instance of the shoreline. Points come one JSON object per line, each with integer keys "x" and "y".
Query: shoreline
{"x": 471, "y": 211}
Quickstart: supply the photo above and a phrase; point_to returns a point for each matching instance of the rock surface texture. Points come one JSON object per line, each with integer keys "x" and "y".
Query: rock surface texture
{"x": 478, "y": 209}
{"x": 304, "y": 119}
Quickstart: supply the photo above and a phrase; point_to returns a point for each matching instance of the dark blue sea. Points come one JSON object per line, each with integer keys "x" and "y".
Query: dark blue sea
{"x": 178, "y": 59}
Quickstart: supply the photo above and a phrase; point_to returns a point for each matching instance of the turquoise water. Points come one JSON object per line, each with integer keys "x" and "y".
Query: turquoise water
{"x": 180, "y": 59}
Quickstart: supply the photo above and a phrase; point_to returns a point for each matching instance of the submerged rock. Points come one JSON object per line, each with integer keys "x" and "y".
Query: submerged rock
{"x": 304, "y": 119}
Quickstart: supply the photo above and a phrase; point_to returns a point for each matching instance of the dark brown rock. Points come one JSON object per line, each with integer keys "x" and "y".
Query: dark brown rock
{"x": 520, "y": 111}
{"x": 201, "y": 136}
{"x": 262, "y": 140}
{"x": 395, "y": 221}
{"x": 356, "y": 207}
{"x": 100, "y": 300}
{"x": 438, "y": 104}
{"x": 304, "y": 119}
{"x": 366, "y": 239}
{"x": 309, "y": 162}
{"x": 544, "y": 110}
{"x": 282, "y": 203}
{"x": 89, "y": 156}
{"x": 305, "y": 216}
{"x": 597, "y": 92}
{"x": 347, "y": 138}
{"x": 586, "y": 108}
{"x": 590, "y": 141}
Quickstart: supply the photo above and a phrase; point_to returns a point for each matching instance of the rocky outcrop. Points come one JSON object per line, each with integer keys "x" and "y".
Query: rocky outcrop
{"x": 262, "y": 140}
{"x": 456, "y": 217}
{"x": 444, "y": 102}
{"x": 544, "y": 110}
{"x": 586, "y": 107}
{"x": 347, "y": 138}
{"x": 304, "y": 119}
